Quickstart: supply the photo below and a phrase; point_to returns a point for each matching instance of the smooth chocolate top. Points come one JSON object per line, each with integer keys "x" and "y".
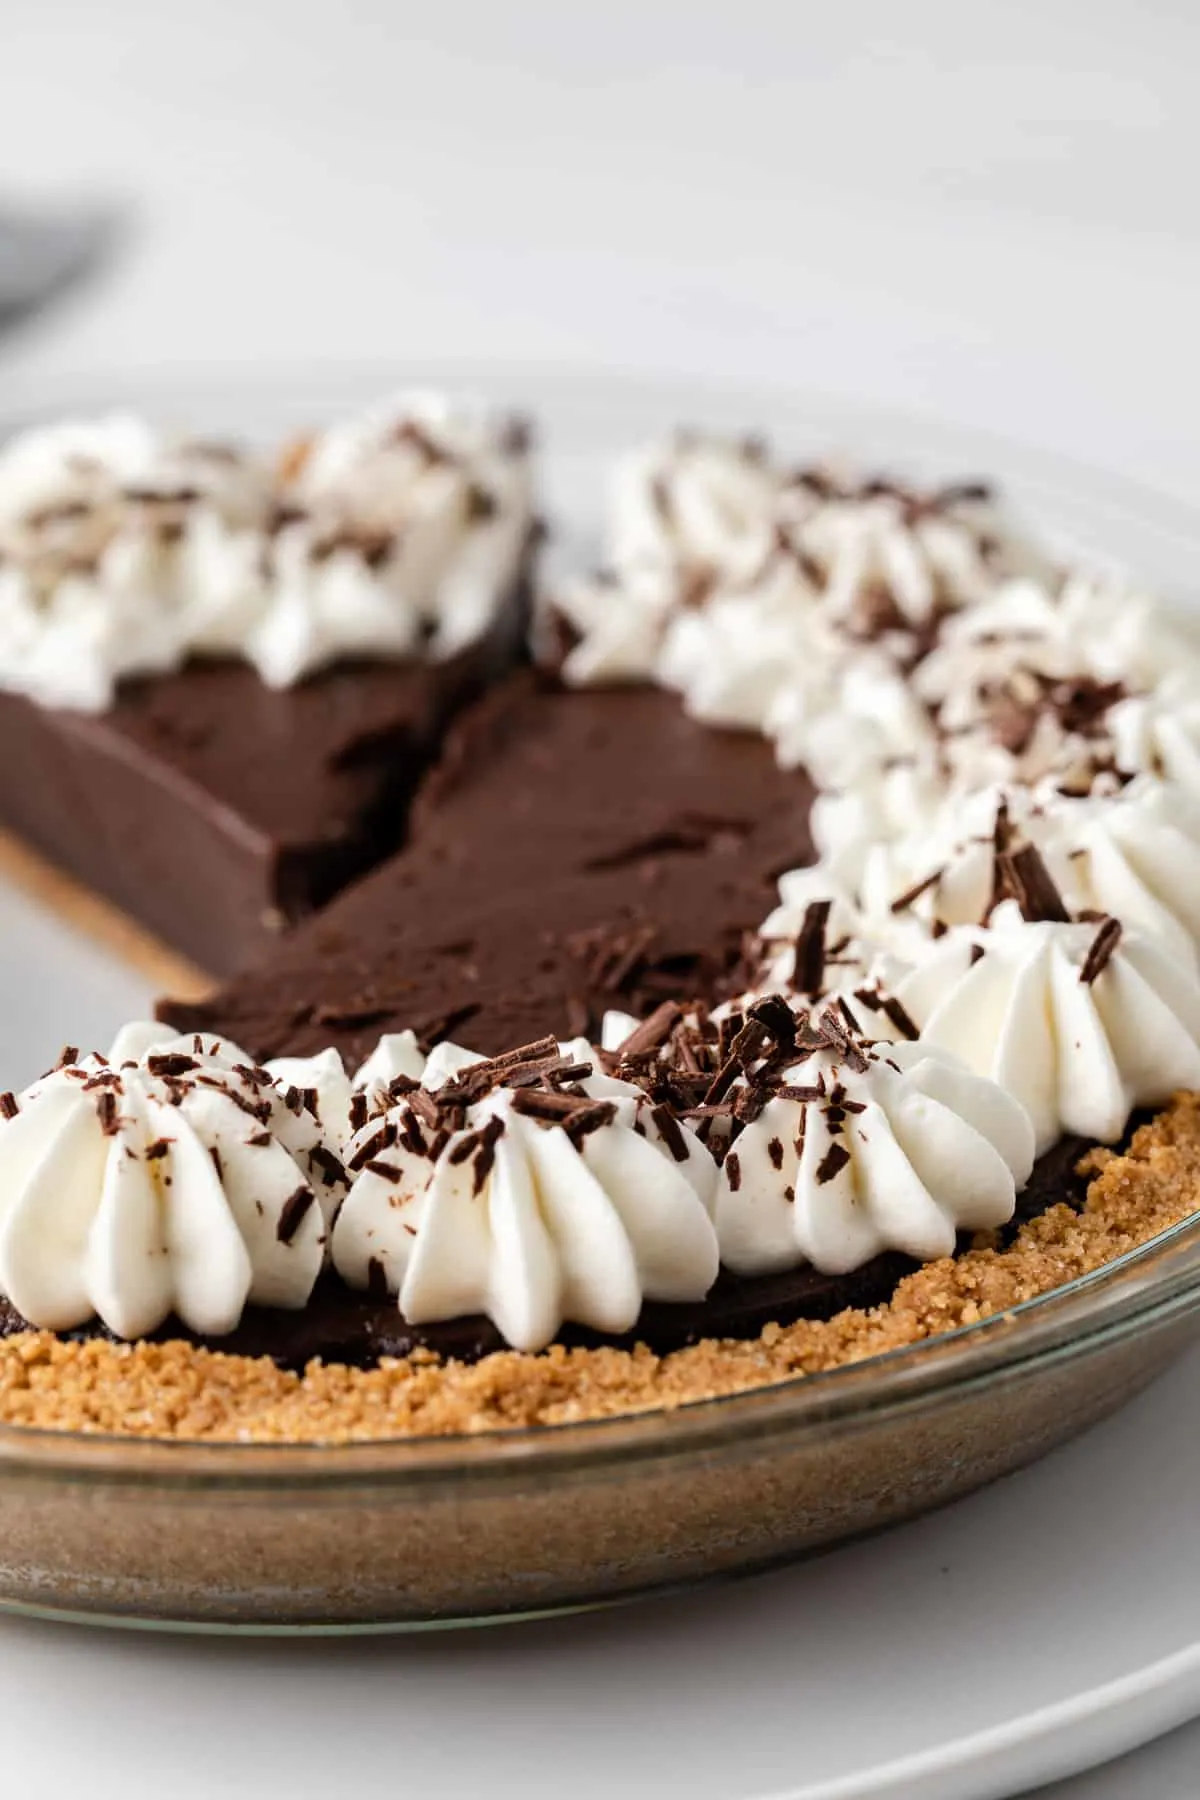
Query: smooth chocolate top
{"x": 216, "y": 810}
{"x": 572, "y": 851}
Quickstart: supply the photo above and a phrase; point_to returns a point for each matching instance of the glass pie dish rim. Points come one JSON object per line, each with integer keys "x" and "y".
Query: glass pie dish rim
{"x": 1149, "y": 1281}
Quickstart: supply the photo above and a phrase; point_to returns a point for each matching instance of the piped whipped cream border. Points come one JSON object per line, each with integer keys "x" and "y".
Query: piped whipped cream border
{"x": 998, "y": 944}
{"x": 399, "y": 532}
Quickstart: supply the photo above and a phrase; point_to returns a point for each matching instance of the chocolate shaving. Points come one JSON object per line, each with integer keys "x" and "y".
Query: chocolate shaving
{"x": 436, "y": 1026}
{"x": 733, "y": 1171}
{"x": 420, "y": 1101}
{"x": 292, "y": 1212}
{"x": 254, "y": 1109}
{"x": 748, "y": 1103}
{"x": 896, "y": 1012}
{"x": 330, "y": 1166}
{"x": 106, "y": 1112}
{"x": 848, "y": 1014}
{"x": 592, "y": 1117}
{"x": 802, "y": 1094}
{"x": 171, "y": 1063}
{"x": 548, "y": 1108}
{"x": 810, "y": 953}
{"x": 1101, "y": 952}
{"x": 1032, "y": 886}
{"x": 410, "y": 1134}
{"x": 776, "y": 1018}
{"x": 903, "y": 901}
{"x": 652, "y": 1033}
{"x": 378, "y": 1140}
{"x": 419, "y": 438}
{"x": 260, "y": 1078}
{"x": 1001, "y": 845}
{"x": 480, "y": 1078}
{"x": 481, "y": 505}
{"x": 8, "y": 1105}
{"x": 563, "y": 1074}
{"x": 836, "y": 1028}
{"x": 150, "y": 496}
{"x": 489, "y": 1136}
{"x": 160, "y": 1147}
{"x": 670, "y": 1131}
{"x": 832, "y": 1163}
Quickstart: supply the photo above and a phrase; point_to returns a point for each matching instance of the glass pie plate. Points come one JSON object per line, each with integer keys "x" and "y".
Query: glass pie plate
{"x": 419, "y": 1533}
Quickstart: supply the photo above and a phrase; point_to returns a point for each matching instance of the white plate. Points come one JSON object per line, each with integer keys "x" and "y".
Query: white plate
{"x": 1035, "y": 1628}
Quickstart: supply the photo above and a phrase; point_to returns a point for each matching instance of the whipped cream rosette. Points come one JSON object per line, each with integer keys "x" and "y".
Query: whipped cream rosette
{"x": 854, "y": 1148}
{"x": 811, "y": 943}
{"x": 835, "y": 917}
{"x": 694, "y": 503}
{"x": 1129, "y": 634}
{"x": 1158, "y": 733}
{"x": 609, "y": 630}
{"x": 125, "y": 552}
{"x": 736, "y": 654}
{"x": 1077, "y": 621}
{"x": 752, "y": 588}
{"x": 1081, "y": 1020}
{"x": 1017, "y": 630}
{"x": 886, "y": 555}
{"x": 530, "y": 1188}
{"x": 833, "y": 1147}
{"x": 899, "y": 817}
{"x": 399, "y": 531}
{"x": 170, "y": 1177}
{"x": 1134, "y": 853}
{"x": 397, "y": 1056}
{"x": 117, "y": 545}
{"x": 1082, "y": 1012}
{"x": 852, "y": 720}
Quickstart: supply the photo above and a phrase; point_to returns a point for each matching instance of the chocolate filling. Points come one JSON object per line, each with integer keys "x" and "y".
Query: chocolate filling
{"x": 573, "y": 851}
{"x": 217, "y": 811}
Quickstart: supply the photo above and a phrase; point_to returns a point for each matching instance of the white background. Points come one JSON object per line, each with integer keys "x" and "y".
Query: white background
{"x": 986, "y": 212}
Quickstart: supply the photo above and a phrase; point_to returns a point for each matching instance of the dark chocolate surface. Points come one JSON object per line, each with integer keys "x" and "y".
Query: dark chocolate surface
{"x": 216, "y": 810}
{"x": 572, "y": 851}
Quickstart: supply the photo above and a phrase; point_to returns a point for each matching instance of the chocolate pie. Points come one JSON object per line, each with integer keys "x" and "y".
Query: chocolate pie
{"x": 795, "y": 958}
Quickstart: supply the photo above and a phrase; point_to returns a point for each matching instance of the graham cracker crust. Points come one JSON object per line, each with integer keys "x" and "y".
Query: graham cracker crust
{"x": 176, "y": 1390}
